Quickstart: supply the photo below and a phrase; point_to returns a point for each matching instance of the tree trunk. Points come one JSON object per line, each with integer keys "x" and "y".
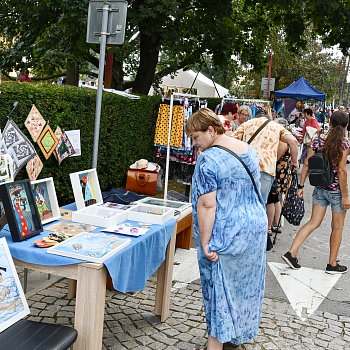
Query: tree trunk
{"x": 149, "y": 52}
{"x": 118, "y": 74}
{"x": 72, "y": 77}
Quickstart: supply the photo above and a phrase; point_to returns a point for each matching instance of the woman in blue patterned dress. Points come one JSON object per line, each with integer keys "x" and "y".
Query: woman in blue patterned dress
{"x": 230, "y": 226}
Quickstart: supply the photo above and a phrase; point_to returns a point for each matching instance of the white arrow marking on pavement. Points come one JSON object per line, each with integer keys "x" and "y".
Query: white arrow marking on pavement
{"x": 305, "y": 288}
{"x": 185, "y": 267}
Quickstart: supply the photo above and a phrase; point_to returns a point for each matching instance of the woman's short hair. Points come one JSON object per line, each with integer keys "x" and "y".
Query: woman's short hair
{"x": 202, "y": 119}
{"x": 244, "y": 108}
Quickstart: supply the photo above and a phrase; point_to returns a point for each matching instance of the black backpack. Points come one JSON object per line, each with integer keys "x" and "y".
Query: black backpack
{"x": 320, "y": 170}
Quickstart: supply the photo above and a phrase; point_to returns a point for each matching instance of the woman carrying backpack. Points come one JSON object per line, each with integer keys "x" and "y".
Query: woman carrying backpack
{"x": 335, "y": 148}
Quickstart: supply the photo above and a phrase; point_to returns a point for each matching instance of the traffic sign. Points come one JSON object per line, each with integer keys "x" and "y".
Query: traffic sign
{"x": 264, "y": 82}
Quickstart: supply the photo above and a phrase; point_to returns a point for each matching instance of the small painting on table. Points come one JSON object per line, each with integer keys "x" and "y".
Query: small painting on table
{"x": 21, "y": 212}
{"x": 86, "y": 188}
{"x": 46, "y": 200}
{"x": 13, "y": 304}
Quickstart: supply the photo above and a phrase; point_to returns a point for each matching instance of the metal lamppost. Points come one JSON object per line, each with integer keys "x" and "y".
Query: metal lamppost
{"x": 106, "y": 25}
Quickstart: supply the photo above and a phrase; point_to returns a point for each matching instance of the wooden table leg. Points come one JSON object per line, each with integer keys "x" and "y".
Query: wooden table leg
{"x": 164, "y": 281}
{"x": 90, "y": 306}
{"x": 72, "y": 289}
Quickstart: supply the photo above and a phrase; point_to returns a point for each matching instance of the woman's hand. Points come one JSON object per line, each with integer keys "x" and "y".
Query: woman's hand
{"x": 300, "y": 192}
{"x": 345, "y": 203}
{"x": 212, "y": 256}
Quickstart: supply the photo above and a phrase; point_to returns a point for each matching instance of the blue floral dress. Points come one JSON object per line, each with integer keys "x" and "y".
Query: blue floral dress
{"x": 232, "y": 287}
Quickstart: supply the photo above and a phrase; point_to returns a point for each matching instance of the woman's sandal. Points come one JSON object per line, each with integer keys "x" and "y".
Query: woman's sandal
{"x": 276, "y": 229}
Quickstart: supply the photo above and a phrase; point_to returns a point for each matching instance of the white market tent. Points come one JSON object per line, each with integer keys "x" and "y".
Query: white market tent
{"x": 183, "y": 80}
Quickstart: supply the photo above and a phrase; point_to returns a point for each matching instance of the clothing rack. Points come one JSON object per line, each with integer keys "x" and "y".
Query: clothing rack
{"x": 177, "y": 94}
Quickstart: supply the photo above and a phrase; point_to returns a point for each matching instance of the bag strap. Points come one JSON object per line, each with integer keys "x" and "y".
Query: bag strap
{"x": 245, "y": 167}
{"x": 262, "y": 126}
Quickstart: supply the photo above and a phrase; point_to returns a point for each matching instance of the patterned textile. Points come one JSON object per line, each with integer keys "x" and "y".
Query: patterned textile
{"x": 47, "y": 142}
{"x": 64, "y": 148}
{"x": 162, "y": 126}
{"x": 34, "y": 167}
{"x": 265, "y": 143}
{"x": 233, "y": 287}
{"x": 315, "y": 145}
{"x": 17, "y": 145}
{"x": 283, "y": 172}
{"x": 35, "y": 123}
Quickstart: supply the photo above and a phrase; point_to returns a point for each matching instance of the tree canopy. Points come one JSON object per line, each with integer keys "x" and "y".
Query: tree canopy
{"x": 162, "y": 37}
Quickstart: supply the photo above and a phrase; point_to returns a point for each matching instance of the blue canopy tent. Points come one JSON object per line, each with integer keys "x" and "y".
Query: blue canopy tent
{"x": 300, "y": 90}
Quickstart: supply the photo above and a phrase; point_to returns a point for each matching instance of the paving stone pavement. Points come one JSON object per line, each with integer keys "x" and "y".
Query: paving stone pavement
{"x": 130, "y": 323}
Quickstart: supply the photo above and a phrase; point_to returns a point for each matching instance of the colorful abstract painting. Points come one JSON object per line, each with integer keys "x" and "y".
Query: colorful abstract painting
{"x": 64, "y": 148}
{"x": 35, "y": 123}
{"x": 87, "y": 188}
{"x": 13, "y": 304}
{"x": 47, "y": 142}
{"x": 17, "y": 145}
{"x": 34, "y": 167}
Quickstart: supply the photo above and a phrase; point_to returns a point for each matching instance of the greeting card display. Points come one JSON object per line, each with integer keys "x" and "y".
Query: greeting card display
{"x": 46, "y": 200}
{"x": 92, "y": 247}
{"x": 13, "y": 302}
{"x": 86, "y": 188}
{"x": 21, "y": 211}
{"x": 35, "y": 123}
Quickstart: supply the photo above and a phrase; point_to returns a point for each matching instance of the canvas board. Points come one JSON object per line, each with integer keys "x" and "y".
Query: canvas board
{"x": 92, "y": 247}
{"x": 46, "y": 200}
{"x": 6, "y": 168}
{"x": 86, "y": 188}
{"x": 47, "y": 141}
{"x": 12, "y": 300}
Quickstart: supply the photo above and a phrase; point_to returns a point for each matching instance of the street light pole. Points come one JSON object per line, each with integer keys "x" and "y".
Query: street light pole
{"x": 101, "y": 68}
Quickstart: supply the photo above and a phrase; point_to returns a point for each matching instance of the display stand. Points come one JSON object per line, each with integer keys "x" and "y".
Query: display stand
{"x": 169, "y": 135}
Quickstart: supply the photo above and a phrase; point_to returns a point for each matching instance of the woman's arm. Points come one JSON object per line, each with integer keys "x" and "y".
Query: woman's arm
{"x": 282, "y": 149}
{"x": 304, "y": 172}
{"x": 343, "y": 176}
{"x": 206, "y": 208}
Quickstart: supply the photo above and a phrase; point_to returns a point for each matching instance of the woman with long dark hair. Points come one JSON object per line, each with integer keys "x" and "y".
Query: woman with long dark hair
{"x": 335, "y": 148}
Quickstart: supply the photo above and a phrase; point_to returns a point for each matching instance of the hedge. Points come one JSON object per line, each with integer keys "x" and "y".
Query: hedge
{"x": 126, "y": 130}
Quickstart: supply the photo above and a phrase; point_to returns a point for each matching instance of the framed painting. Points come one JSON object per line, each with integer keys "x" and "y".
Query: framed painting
{"x": 13, "y": 302}
{"x": 46, "y": 200}
{"x": 86, "y": 188}
{"x": 20, "y": 209}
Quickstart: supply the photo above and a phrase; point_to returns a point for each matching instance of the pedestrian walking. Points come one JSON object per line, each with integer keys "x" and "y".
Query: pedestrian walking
{"x": 230, "y": 226}
{"x": 264, "y": 136}
{"x": 335, "y": 148}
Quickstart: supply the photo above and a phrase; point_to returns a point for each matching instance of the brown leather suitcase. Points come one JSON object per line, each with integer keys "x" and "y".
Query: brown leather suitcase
{"x": 142, "y": 181}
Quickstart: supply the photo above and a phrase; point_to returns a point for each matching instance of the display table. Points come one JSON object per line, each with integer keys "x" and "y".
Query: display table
{"x": 129, "y": 270}
{"x": 184, "y": 228}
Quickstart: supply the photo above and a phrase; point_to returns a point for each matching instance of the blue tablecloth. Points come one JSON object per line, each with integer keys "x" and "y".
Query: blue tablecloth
{"x": 129, "y": 269}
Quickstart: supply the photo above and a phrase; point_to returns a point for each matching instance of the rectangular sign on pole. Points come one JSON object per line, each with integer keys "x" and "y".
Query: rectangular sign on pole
{"x": 264, "y": 82}
{"x": 116, "y": 21}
